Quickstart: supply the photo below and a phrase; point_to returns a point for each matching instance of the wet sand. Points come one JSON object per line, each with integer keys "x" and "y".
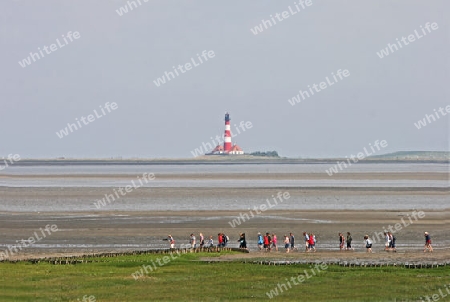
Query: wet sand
{"x": 144, "y": 230}
{"x": 85, "y": 229}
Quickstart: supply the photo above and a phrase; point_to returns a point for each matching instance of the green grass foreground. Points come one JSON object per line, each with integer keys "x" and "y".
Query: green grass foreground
{"x": 185, "y": 279}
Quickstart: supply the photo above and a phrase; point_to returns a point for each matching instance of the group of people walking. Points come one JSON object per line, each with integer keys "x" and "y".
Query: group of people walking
{"x": 310, "y": 242}
{"x": 343, "y": 241}
{"x": 222, "y": 241}
{"x": 389, "y": 244}
{"x": 269, "y": 242}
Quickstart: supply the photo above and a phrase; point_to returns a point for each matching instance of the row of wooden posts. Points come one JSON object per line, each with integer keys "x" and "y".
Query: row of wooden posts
{"x": 100, "y": 257}
{"x": 357, "y": 264}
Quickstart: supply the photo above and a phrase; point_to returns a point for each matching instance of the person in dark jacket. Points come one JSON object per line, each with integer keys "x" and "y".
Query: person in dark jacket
{"x": 349, "y": 241}
{"x": 242, "y": 241}
{"x": 428, "y": 246}
{"x": 292, "y": 240}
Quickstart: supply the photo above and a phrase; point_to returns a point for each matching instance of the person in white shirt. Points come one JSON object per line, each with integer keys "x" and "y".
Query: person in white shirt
{"x": 211, "y": 242}
{"x": 368, "y": 243}
{"x": 387, "y": 240}
{"x": 192, "y": 241}
{"x": 171, "y": 242}
{"x": 306, "y": 241}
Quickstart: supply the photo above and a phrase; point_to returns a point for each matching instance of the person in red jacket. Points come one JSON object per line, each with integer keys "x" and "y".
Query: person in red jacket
{"x": 312, "y": 242}
{"x": 220, "y": 239}
{"x": 266, "y": 242}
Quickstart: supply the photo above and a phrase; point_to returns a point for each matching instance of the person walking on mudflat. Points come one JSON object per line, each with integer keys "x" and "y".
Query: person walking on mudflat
{"x": 275, "y": 242}
{"x": 386, "y": 241}
{"x": 211, "y": 242}
{"x": 260, "y": 241}
{"x": 242, "y": 241}
{"x": 393, "y": 247}
{"x": 368, "y": 243}
{"x": 306, "y": 236}
{"x": 428, "y": 246}
{"x": 341, "y": 242}
{"x": 266, "y": 242}
{"x": 202, "y": 240}
{"x": 349, "y": 241}
{"x": 292, "y": 240}
{"x": 192, "y": 241}
{"x": 220, "y": 240}
{"x": 171, "y": 241}
{"x": 312, "y": 243}
{"x": 287, "y": 243}
{"x": 270, "y": 242}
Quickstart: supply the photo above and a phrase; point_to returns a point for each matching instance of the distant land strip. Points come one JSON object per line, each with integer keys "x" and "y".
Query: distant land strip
{"x": 250, "y": 176}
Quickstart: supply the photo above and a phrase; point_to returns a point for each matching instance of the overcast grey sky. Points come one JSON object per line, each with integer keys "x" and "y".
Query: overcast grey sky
{"x": 117, "y": 58}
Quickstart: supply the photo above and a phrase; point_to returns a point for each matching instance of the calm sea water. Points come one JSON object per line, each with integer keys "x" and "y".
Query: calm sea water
{"x": 223, "y": 168}
{"x": 21, "y": 176}
{"x": 131, "y": 172}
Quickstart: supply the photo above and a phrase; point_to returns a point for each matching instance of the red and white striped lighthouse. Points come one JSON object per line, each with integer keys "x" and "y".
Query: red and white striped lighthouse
{"x": 227, "y": 136}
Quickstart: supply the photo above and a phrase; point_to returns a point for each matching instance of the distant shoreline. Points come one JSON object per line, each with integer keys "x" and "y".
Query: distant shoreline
{"x": 232, "y": 160}
{"x": 225, "y": 159}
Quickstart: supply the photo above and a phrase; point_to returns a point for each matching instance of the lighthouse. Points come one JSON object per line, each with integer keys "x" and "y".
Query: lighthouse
{"x": 227, "y": 136}
{"x": 227, "y": 148}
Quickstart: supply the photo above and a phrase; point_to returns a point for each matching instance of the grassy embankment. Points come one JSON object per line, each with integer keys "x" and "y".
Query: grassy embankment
{"x": 184, "y": 279}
